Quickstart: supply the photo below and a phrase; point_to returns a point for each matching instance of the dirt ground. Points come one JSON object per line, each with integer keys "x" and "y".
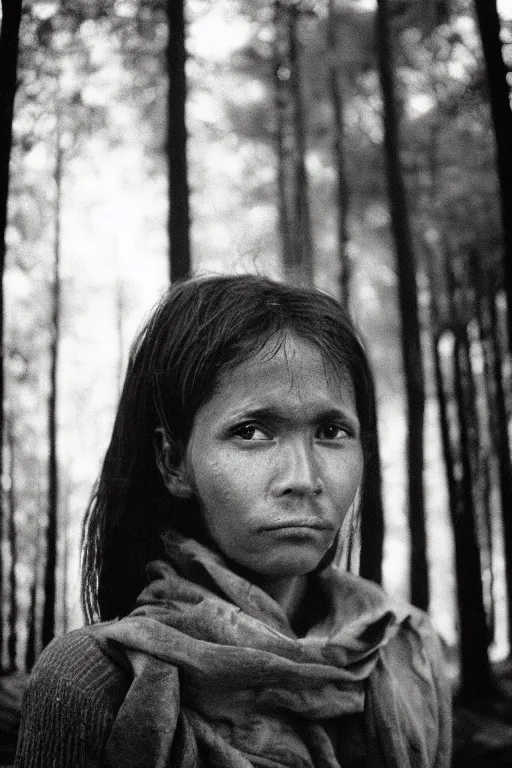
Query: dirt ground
{"x": 482, "y": 729}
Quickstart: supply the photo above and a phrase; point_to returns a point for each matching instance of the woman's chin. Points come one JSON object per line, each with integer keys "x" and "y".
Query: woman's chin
{"x": 288, "y": 567}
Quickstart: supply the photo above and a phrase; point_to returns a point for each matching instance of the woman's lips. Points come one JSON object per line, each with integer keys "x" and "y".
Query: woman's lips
{"x": 299, "y": 522}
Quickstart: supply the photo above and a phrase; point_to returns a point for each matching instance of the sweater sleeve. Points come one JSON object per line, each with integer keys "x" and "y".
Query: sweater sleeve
{"x": 69, "y": 706}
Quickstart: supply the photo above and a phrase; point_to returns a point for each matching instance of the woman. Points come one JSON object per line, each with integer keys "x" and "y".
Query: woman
{"x": 227, "y": 637}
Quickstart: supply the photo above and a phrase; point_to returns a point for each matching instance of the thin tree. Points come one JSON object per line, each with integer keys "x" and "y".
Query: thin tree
{"x": 499, "y": 97}
{"x": 408, "y": 301}
{"x": 295, "y": 217}
{"x": 65, "y": 558}
{"x": 13, "y": 585}
{"x": 476, "y": 676}
{"x": 284, "y": 174}
{"x": 448, "y": 318}
{"x": 302, "y": 230}
{"x": 32, "y": 644}
{"x": 452, "y": 371}
{"x": 498, "y": 421}
{"x": 342, "y": 190}
{"x": 9, "y": 43}
{"x": 179, "y": 214}
{"x": 48, "y": 628}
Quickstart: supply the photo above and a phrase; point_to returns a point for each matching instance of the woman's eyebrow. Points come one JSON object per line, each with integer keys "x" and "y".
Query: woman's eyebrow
{"x": 269, "y": 413}
{"x": 276, "y": 415}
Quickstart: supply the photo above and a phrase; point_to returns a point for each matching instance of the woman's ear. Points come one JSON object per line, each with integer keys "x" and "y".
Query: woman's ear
{"x": 170, "y": 461}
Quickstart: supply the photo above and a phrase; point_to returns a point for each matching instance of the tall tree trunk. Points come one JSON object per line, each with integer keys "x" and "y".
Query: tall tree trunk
{"x": 294, "y": 211}
{"x": 302, "y": 230}
{"x": 284, "y": 171}
{"x": 31, "y": 649}
{"x": 473, "y": 632}
{"x": 498, "y": 421}
{"x": 438, "y": 323}
{"x": 504, "y": 458}
{"x": 9, "y": 41}
{"x": 488, "y": 560}
{"x": 342, "y": 191}
{"x": 476, "y": 679}
{"x": 13, "y": 585}
{"x": 179, "y": 213}
{"x": 410, "y": 335}
{"x": 284, "y": 141}
{"x": 48, "y": 630}
{"x": 473, "y": 629}
{"x": 65, "y": 561}
{"x": 499, "y": 95}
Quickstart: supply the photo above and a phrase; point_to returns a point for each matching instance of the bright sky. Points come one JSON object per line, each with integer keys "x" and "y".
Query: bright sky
{"x": 505, "y": 8}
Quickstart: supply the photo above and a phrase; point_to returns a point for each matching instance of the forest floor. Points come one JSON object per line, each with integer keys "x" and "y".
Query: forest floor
{"x": 482, "y": 728}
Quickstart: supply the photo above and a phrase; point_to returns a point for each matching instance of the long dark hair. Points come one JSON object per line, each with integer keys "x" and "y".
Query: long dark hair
{"x": 200, "y": 328}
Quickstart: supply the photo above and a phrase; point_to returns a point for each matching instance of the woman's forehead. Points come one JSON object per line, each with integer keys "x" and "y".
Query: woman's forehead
{"x": 290, "y": 364}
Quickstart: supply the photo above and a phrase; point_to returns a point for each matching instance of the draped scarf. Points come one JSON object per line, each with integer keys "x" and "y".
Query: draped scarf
{"x": 221, "y": 679}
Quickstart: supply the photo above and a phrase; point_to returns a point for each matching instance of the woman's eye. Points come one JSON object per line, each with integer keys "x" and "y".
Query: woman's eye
{"x": 251, "y": 432}
{"x": 331, "y": 432}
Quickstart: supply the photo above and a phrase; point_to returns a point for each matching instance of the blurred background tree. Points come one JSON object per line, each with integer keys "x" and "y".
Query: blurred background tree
{"x": 343, "y": 143}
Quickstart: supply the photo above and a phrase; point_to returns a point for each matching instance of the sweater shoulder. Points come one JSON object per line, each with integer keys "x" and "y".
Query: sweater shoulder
{"x": 79, "y": 659}
{"x": 72, "y": 698}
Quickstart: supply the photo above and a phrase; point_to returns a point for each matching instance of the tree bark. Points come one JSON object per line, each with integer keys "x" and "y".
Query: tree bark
{"x": 284, "y": 172}
{"x": 302, "y": 230}
{"x": 487, "y": 557}
{"x": 498, "y": 421}
{"x": 499, "y": 96}
{"x": 473, "y": 631}
{"x": 179, "y": 213}
{"x": 342, "y": 191}
{"x": 13, "y": 585}
{"x": 48, "y": 629}
{"x": 474, "y": 638}
{"x": 65, "y": 560}
{"x": 294, "y": 210}
{"x": 504, "y": 458}
{"x": 31, "y": 648}
{"x": 408, "y": 301}
{"x": 9, "y": 43}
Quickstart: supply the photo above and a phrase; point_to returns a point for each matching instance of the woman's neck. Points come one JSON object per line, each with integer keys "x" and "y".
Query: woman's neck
{"x": 289, "y": 593}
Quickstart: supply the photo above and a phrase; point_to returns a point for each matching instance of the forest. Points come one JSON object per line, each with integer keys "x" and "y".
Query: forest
{"x": 362, "y": 146}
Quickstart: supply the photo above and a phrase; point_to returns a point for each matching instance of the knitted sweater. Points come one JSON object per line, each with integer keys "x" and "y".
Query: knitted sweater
{"x": 70, "y": 703}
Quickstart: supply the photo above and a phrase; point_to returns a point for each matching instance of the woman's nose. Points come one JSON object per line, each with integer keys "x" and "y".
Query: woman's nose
{"x": 297, "y": 470}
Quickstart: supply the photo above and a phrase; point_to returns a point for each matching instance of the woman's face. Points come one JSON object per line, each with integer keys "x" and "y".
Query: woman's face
{"x": 275, "y": 458}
